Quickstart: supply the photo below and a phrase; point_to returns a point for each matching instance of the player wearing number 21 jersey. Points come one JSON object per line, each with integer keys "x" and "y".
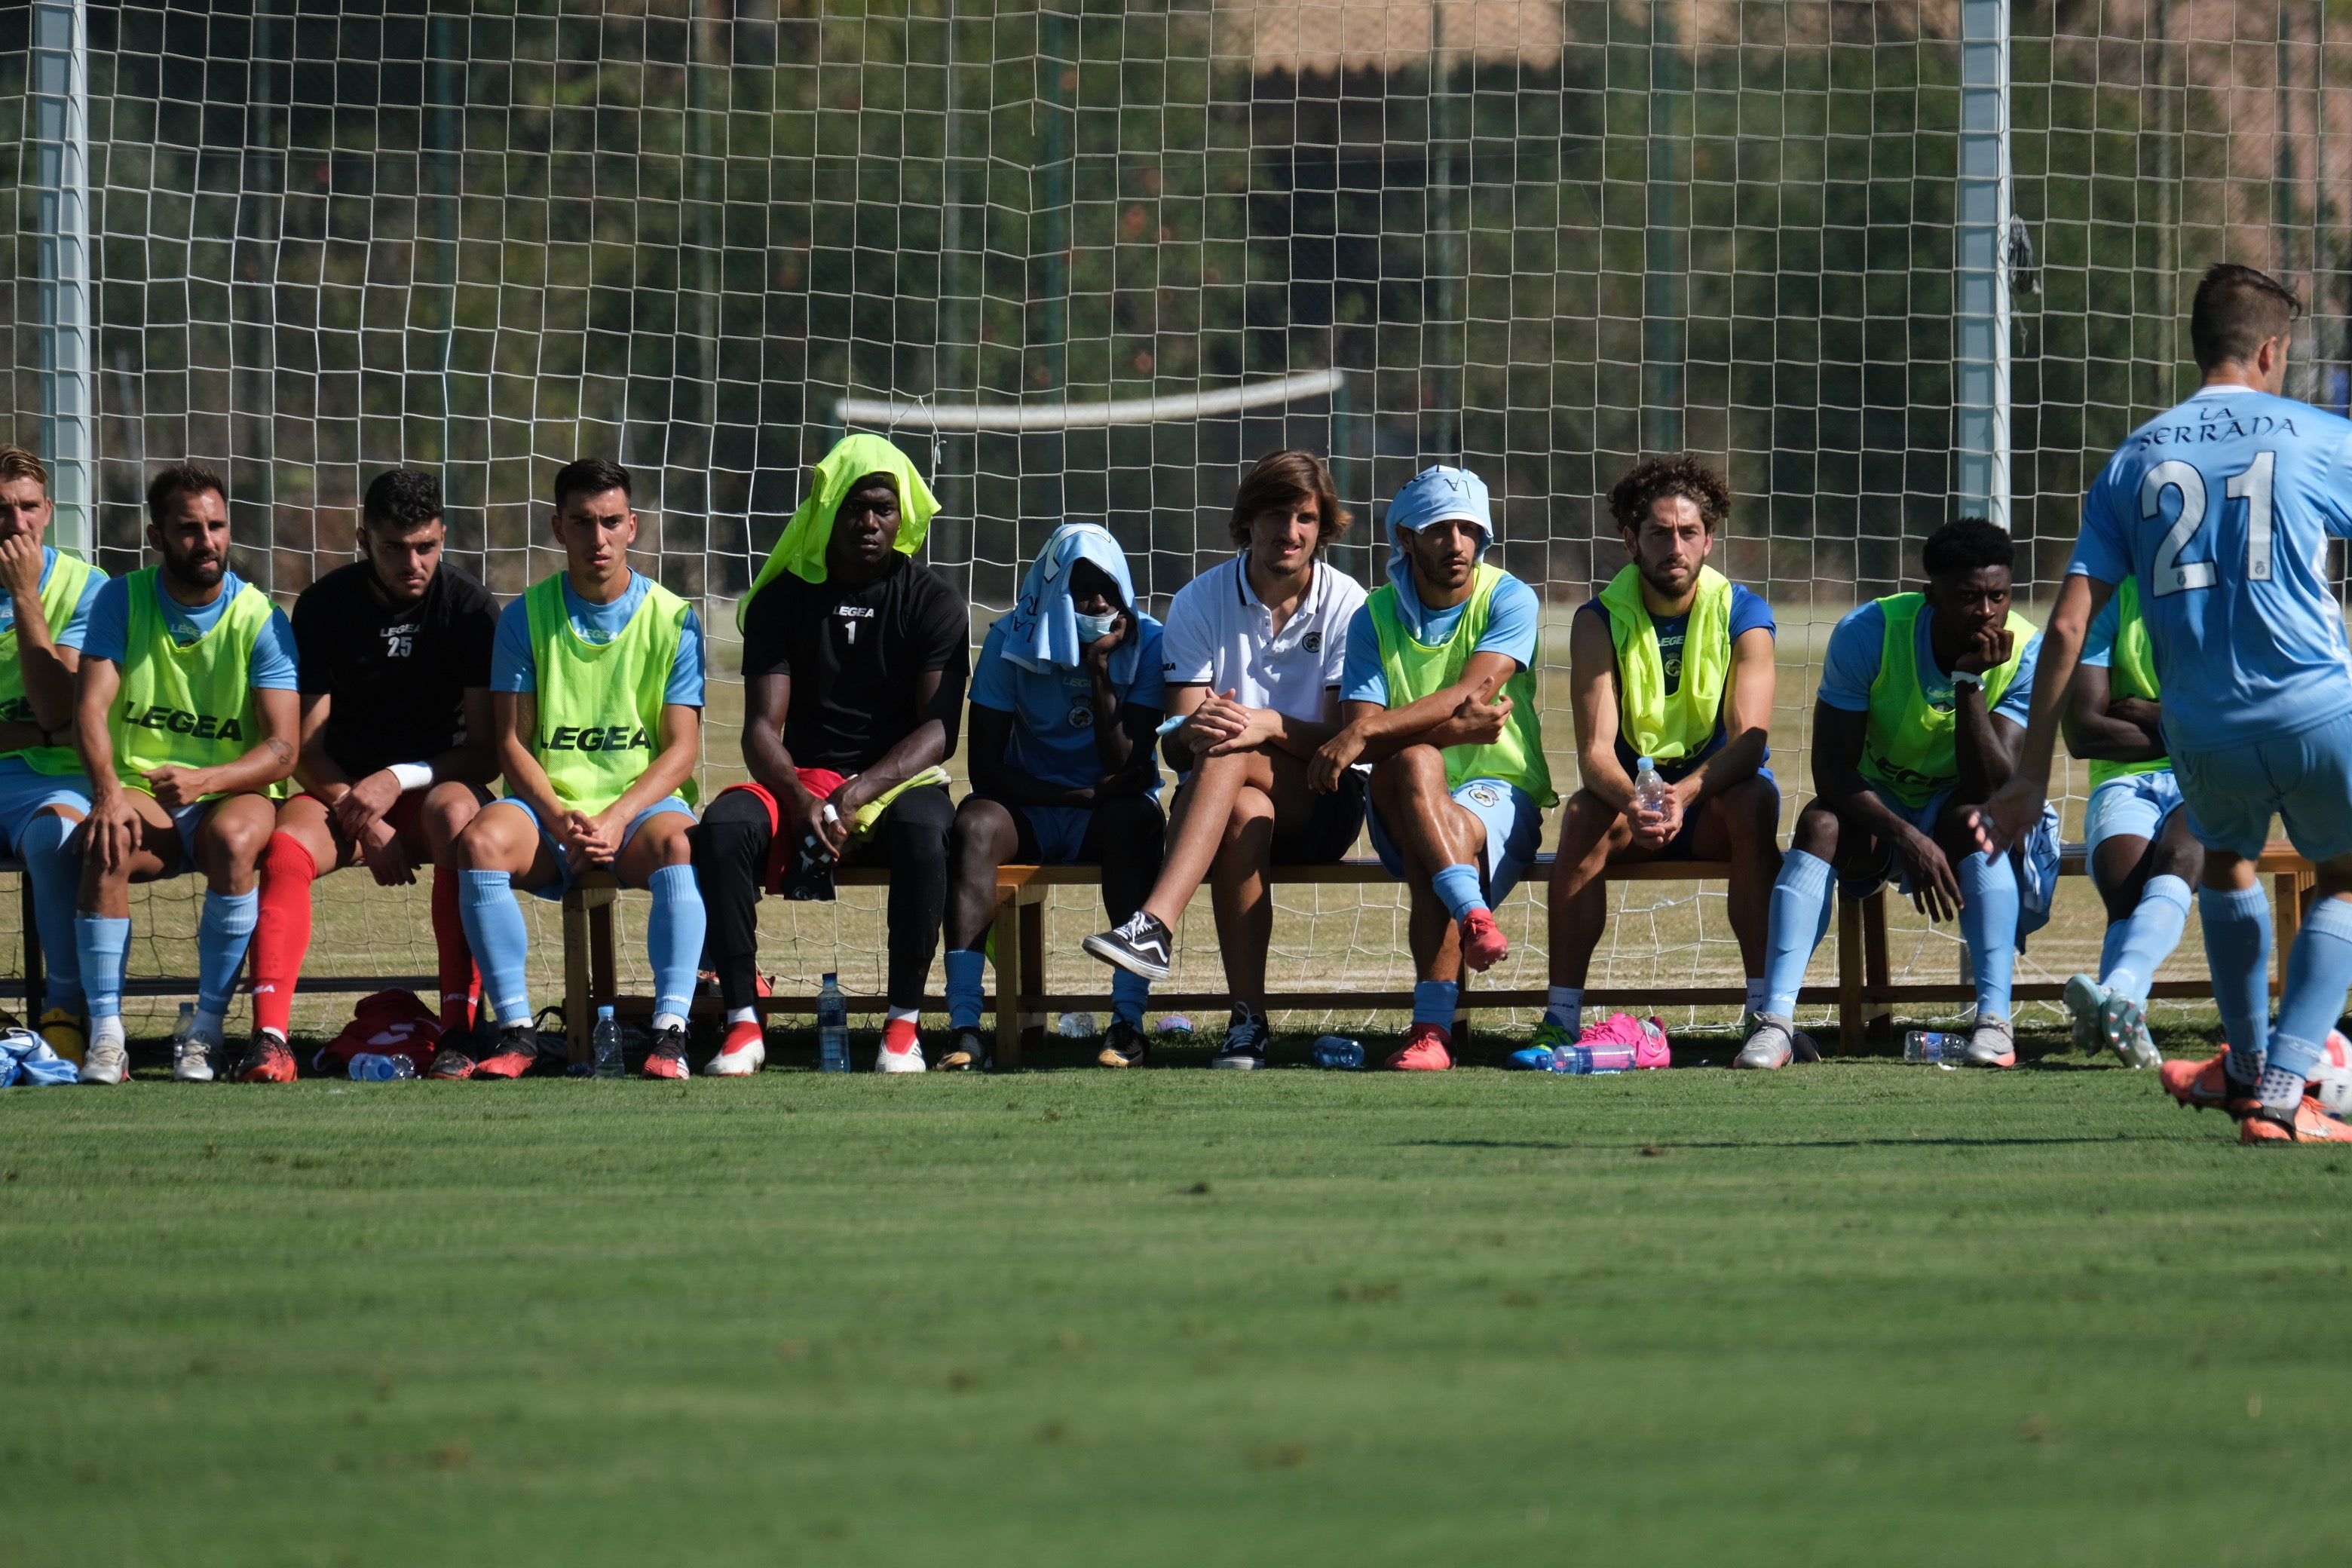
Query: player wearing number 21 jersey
{"x": 2219, "y": 512}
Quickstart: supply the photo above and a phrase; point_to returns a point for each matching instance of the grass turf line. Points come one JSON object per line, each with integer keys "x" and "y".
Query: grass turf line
{"x": 1858, "y": 1313}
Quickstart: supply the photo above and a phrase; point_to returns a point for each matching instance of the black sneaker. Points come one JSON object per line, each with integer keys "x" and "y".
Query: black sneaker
{"x": 667, "y": 1058}
{"x": 1245, "y": 1044}
{"x": 1141, "y": 946}
{"x": 1124, "y": 1046}
{"x": 967, "y": 1052}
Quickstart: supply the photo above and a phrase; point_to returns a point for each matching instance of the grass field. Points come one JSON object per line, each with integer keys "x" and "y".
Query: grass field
{"x": 1861, "y": 1313}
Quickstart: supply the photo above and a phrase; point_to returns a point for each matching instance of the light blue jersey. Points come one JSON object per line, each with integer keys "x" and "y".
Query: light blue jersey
{"x": 2222, "y": 508}
{"x": 1053, "y": 713}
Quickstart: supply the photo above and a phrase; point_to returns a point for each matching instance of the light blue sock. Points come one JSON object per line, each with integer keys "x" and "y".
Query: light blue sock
{"x": 1801, "y": 913}
{"x": 2111, "y": 948}
{"x": 1434, "y": 1002}
{"x": 501, "y": 942}
{"x": 55, "y": 872}
{"x": 2149, "y": 937}
{"x": 1128, "y": 993}
{"x": 967, "y": 970}
{"x": 1989, "y": 924}
{"x": 673, "y": 939}
{"x": 1458, "y": 886}
{"x": 2237, "y": 922}
{"x": 222, "y": 932}
{"x": 2319, "y": 972}
{"x": 101, "y": 946}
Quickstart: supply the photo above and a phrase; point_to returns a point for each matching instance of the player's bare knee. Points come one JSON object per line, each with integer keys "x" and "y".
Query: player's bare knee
{"x": 1816, "y": 832}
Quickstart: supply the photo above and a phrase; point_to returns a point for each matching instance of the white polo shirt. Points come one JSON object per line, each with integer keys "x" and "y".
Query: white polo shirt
{"x": 1218, "y": 634}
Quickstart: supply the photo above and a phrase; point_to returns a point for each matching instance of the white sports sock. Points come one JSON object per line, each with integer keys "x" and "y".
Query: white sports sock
{"x": 1755, "y": 993}
{"x": 897, "y": 1013}
{"x": 2282, "y": 1089}
{"x": 743, "y": 1015}
{"x": 1565, "y": 1006}
{"x": 106, "y": 1028}
{"x": 667, "y": 1021}
{"x": 273, "y": 1034}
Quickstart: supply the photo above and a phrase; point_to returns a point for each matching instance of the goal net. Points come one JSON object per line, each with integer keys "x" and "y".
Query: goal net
{"x": 1539, "y": 238}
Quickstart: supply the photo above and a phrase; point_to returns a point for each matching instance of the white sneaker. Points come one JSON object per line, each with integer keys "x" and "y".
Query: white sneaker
{"x": 748, "y": 1058}
{"x": 191, "y": 1060}
{"x": 909, "y": 1060}
{"x": 107, "y": 1062}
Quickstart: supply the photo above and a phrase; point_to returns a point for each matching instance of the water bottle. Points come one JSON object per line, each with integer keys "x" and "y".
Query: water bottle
{"x": 1651, "y": 793}
{"x": 1176, "y": 1028}
{"x": 1933, "y": 1046}
{"x": 187, "y": 1021}
{"x": 1339, "y": 1052}
{"x": 832, "y": 1027}
{"x": 606, "y": 1038}
{"x": 374, "y": 1067}
{"x": 1077, "y": 1027}
{"x": 1582, "y": 1060}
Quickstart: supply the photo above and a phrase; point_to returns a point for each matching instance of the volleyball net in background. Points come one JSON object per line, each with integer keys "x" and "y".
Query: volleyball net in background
{"x": 706, "y": 237}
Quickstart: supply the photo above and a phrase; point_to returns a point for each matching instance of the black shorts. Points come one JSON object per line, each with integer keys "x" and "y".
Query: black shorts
{"x": 1328, "y": 832}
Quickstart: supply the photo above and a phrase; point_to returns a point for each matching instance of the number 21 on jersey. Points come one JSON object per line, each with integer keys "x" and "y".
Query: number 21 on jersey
{"x": 2252, "y": 487}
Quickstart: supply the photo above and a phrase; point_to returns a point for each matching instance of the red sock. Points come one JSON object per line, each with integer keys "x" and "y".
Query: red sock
{"x": 460, "y": 983}
{"x": 282, "y": 929}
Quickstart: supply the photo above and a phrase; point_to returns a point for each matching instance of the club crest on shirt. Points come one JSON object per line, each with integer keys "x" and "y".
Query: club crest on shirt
{"x": 1312, "y": 642}
{"x": 1081, "y": 716}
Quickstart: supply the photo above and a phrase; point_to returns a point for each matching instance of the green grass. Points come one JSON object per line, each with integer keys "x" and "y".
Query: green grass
{"x": 1859, "y": 1313}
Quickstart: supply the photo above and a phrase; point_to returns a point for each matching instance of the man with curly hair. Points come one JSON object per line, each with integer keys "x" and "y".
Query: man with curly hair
{"x": 1670, "y": 665}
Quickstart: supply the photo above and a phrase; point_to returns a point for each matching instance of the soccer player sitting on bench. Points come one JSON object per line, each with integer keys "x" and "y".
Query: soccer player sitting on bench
{"x": 1923, "y": 704}
{"x": 1672, "y": 662}
{"x": 1254, "y": 652}
{"x": 597, "y": 713}
{"x": 854, "y": 667}
{"x": 43, "y": 794}
{"x": 1440, "y": 697}
{"x": 2144, "y": 856}
{"x": 188, "y": 725}
{"x": 396, "y": 653}
{"x": 1063, "y": 703}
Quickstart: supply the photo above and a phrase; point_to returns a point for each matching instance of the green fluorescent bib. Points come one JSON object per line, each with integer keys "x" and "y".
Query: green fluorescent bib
{"x": 188, "y": 707}
{"x": 60, "y": 594}
{"x": 1416, "y": 670}
{"x": 1654, "y": 724}
{"x": 1910, "y": 746}
{"x": 600, "y": 703}
{"x": 2131, "y": 672}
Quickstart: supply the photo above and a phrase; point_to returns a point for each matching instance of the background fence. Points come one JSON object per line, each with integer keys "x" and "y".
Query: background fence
{"x": 1539, "y": 238}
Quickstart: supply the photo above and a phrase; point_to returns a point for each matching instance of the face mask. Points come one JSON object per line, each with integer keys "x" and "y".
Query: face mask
{"x": 1094, "y": 628}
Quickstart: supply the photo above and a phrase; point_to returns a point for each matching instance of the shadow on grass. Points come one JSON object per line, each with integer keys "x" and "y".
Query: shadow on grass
{"x": 1779, "y": 1143}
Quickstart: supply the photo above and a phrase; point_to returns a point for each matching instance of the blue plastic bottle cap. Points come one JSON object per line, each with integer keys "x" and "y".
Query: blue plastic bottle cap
{"x": 1643, "y": 764}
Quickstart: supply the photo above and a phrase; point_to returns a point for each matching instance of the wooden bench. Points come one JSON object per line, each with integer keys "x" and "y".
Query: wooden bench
{"x": 1865, "y": 994}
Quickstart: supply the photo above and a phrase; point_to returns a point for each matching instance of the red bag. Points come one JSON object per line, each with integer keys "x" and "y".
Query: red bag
{"x": 392, "y": 1023}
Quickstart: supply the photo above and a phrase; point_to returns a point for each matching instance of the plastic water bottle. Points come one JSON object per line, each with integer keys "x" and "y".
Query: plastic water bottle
{"x": 187, "y": 1020}
{"x": 1651, "y": 793}
{"x": 1339, "y": 1053}
{"x": 1176, "y": 1030}
{"x": 1933, "y": 1046}
{"x": 832, "y": 1027}
{"x": 374, "y": 1067}
{"x": 606, "y": 1040}
{"x": 1077, "y": 1027}
{"x": 1582, "y": 1060}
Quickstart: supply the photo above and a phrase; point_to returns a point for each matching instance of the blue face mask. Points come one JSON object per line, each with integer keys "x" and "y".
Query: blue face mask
{"x": 1094, "y": 628}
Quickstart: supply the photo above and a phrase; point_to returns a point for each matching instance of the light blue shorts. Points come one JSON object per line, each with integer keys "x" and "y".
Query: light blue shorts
{"x": 24, "y": 794}
{"x": 556, "y": 888}
{"x": 1514, "y": 833}
{"x": 1060, "y": 831}
{"x": 2304, "y": 778}
{"x": 2137, "y": 805}
{"x": 2036, "y": 885}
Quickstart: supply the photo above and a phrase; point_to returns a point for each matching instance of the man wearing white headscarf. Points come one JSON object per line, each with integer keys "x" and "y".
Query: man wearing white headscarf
{"x": 1440, "y": 697}
{"x": 1064, "y": 702}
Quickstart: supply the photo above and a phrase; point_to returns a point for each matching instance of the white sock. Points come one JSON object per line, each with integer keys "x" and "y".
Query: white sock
{"x": 667, "y": 1021}
{"x": 108, "y": 1028}
{"x": 1755, "y": 994}
{"x": 743, "y": 1015}
{"x": 897, "y": 1013}
{"x": 273, "y": 1034}
{"x": 209, "y": 1028}
{"x": 1565, "y": 1007}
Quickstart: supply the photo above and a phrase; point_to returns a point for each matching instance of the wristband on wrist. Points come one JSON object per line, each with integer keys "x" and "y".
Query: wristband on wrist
{"x": 1967, "y": 677}
{"x": 411, "y": 775}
